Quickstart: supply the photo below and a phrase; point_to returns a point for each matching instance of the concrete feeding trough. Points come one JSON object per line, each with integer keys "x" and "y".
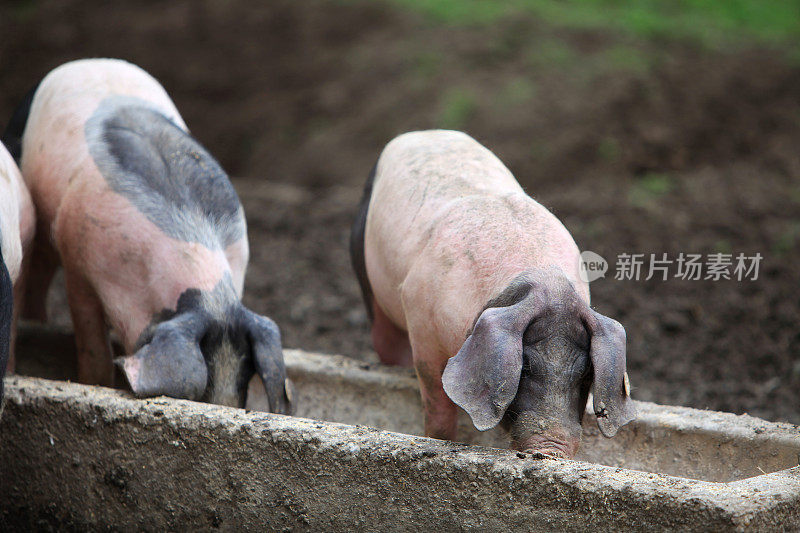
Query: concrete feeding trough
{"x": 73, "y": 456}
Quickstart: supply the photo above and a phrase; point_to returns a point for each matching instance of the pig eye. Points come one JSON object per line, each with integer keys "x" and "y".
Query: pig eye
{"x": 581, "y": 366}
{"x": 532, "y": 362}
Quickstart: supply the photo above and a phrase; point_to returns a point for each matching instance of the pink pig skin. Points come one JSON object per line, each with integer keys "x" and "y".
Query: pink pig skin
{"x": 151, "y": 235}
{"x": 433, "y": 279}
{"x": 17, "y": 225}
{"x": 119, "y": 267}
{"x": 447, "y": 229}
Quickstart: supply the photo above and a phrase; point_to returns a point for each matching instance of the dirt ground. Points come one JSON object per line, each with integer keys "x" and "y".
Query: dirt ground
{"x": 638, "y": 147}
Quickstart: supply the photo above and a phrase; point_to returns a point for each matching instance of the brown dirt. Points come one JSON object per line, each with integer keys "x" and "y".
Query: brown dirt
{"x": 675, "y": 150}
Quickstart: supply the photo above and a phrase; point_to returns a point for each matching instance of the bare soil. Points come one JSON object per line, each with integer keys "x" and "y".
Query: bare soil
{"x": 668, "y": 149}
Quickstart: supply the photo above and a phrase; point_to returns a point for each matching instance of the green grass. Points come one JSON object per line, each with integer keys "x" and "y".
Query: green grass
{"x": 458, "y": 105}
{"x": 516, "y": 91}
{"x": 553, "y": 53}
{"x": 713, "y": 23}
{"x": 626, "y": 58}
{"x": 787, "y": 240}
{"x": 608, "y": 149}
{"x": 650, "y": 188}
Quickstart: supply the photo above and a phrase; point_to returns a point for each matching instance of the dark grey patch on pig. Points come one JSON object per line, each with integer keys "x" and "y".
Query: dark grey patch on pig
{"x": 15, "y": 129}
{"x": 531, "y": 357}
{"x": 6, "y": 312}
{"x": 357, "y": 234}
{"x": 164, "y": 172}
{"x": 208, "y": 348}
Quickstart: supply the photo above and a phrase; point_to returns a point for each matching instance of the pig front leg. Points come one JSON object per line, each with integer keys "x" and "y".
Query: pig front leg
{"x": 95, "y": 366}
{"x": 21, "y": 285}
{"x": 39, "y": 276}
{"x": 439, "y": 411}
{"x": 429, "y": 357}
{"x": 19, "y": 297}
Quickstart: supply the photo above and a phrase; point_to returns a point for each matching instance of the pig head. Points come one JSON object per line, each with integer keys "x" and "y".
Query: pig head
{"x": 207, "y": 349}
{"x": 532, "y": 356}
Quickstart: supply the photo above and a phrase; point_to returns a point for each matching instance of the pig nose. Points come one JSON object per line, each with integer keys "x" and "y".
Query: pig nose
{"x": 551, "y": 445}
{"x": 555, "y": 453}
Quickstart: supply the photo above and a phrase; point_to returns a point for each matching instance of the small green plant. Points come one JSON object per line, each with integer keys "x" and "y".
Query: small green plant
{"x": 649, "y": 188}
{"x": 517, "y": 91}
{"x": 723, "y": 246}
{"x": 458, "y": 105}
{"x": 427, "y": 64}
{"x": 787, "y": 240}
{"x": 552, "y": 53}
{"x": 608, "y": 149}
{"x": 626, "y": 59}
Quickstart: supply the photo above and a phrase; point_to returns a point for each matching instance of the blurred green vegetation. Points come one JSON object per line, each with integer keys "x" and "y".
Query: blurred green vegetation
{"x": 649, "y": 188}
{"x": 714, "y": 23}
{"x": 608, "y": 149}
{"x": 457, "y": 106}
{"x": 787, "y": 239}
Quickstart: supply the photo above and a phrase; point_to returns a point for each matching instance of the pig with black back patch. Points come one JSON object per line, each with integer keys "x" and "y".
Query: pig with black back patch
{"x": 477, "y": 286}
{"x": 151, "y": 235}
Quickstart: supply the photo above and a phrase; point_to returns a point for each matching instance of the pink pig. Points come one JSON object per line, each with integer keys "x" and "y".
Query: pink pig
{"x": 477, "y": 285}
{"x": 151, "y": 235}
{"x": 17, "y": 224}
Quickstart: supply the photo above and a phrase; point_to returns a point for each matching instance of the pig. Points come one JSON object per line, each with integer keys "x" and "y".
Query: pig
{"x": 477, "y": 286}
{"x": 151, "y": 236}
{"x": 16, "y": 235}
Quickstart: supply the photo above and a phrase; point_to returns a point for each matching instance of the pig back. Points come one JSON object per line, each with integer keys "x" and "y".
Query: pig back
{"x": 134, "y": 204}
{"x": 54, "y": 149}
{"x": 418, "y": 177}
{"x": 450, "y": 227}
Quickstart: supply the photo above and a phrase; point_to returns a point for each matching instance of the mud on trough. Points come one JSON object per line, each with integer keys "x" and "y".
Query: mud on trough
{"x": 675, "y": 148}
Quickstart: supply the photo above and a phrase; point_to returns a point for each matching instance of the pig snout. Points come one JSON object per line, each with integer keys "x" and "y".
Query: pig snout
{"x": 556, "y": 443}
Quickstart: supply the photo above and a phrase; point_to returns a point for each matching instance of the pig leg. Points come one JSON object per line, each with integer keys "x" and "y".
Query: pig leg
{"x": 389, "y": 341}
{"x": 43, "y": 264}
{"x": 19, "y": 296}
{"x": 95, "y": 366}
{"x": 440, "y": 412}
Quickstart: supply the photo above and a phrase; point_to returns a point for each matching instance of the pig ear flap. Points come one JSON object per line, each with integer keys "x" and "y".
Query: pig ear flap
{"x": 265, "y": 342}
{"x": 612, "y": 402}
{"x": 483, "y": 377}
{"x": 170, "y": 363}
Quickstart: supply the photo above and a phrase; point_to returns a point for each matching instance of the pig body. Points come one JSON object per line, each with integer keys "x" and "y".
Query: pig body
{"x": 478, "y": 286}
{"x": 151, "y": 235}
{"x": 16, "y": 235}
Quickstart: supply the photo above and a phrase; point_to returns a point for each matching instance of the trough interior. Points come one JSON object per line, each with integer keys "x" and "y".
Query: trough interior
{"x": 683, "y": 442}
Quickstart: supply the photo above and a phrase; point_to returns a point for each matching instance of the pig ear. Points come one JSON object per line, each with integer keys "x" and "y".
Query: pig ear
{"x": 265, "y": 340}
{"x": 170, "y": 364}
{"x": 483, "y": 377}
{"x": 612, "y": 403}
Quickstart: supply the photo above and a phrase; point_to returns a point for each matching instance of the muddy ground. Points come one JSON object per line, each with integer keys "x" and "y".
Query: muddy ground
{"x": 638, "y": 147}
